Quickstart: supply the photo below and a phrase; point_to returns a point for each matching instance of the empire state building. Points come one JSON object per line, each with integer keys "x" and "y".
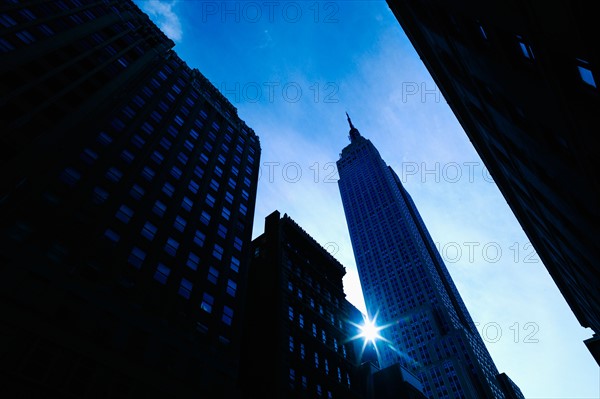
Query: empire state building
{"x": 406, "y": 285}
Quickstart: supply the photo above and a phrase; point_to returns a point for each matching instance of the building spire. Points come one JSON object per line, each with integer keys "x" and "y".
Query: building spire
{"x": 354, "y": 133}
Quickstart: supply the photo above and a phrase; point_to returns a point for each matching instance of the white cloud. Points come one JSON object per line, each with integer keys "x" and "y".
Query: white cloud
{"x": 163, "y": 14}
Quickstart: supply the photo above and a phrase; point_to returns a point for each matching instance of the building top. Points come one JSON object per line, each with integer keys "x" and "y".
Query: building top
{"x": 289, "y": 221}
{"x": 354, "y": 133}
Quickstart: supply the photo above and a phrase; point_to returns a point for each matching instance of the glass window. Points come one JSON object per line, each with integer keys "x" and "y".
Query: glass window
{"x": 237, "y": 243}
{"x": 243, "y": 209}
{"x": 218, "y": 252}
{"x": 88, "y": 156}
{"x": 207, "y": 302}
{"x": 193, "y": 187}
{"x": 185, "y": 288}
{"x": 231, "y": 183}
{"x": 213, "y": 275}
{"x": 231, "y": 287}
{"x": 124, "y": 213}
{"x": 176, "y": 172}
{"x": 179, "y": 223}
{"x": 222, "y": 231}
{"x": 193, "y": 261}
{"x": 127, "y": 156}
{"x": 159, "y": 208}
{"x": 148, "y": 173}
{"x": 198, "y": 172}
{"x": 171, "y": 246}
{"x": 205, "y": 218}
{"x": 199, "y": 238}
{"x": 203, "y": 158}
{"x": 186, "y": 204}
{"x": 70, "y": 176}
{"x": 136, "y": 257}
{"x": 228, "y": 197}
{"x": 113, "y": 174}
{"x": 214, "y": 185}
{"x": 162, "y": 273}
{"x": 165, "y": 143}
{"x": 210, "y": 200}
{"x": 168, "y": 189}
{"x": 149, "y": 230}
{"x": 138, "y": 141}
{"x": 226, "y": 213}
{"x": 112, "y": 235}
{"x": 218, "y": 171}
{"x": 136, "y": 192}
{"x": 157, "y": 157}
{"x": 182, "y": 158}
{"x": 99, "y": 195}
{"x": 235, "y": 264}
{"x": 221, "y": 158}
{"x": 585, "y": 73}
{"x": 227, "y": 315}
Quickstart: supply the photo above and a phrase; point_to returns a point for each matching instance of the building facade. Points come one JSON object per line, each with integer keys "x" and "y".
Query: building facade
{"x": 522, "y": 79}
{"x": 405, "y": 283}
{"x": 302, "y": 338}
{"x": 127, "y": 192}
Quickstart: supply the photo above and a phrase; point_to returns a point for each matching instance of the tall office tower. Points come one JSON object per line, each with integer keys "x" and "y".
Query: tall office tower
{"x": 126, "y": 206}
{"x": 406, "y": 284}
{"x": 522, "y": 79}
{"x": 302, "y": 340}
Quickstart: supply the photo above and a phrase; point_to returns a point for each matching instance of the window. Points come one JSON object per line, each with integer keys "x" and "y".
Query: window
{"x": 214, "y": 185}
{"x": 162, "y": 273}
{"x": 231, "y": 183}
{"x": 113, "y": 174}
{"x": 88, "y": 156}
{"x": 136, "y": 257}
{"x": 218, "y": 171}
{"x": 243, "y": 209}
{"x": 225, "y": 213}
{"x": 149, "y": 230}
{"x": 199, "y": 238}
{"x": 198, "y": 172}
{"x": 70, "y": 176}
{"x": 111, "y": 235}
{"x": 302, "y": 351}
{"x": 171, "y": 246}
{"x": 237, "y": 243}
{"x": 222, "y": 231}
{"x": 205, "y": 217}
{"x": 210, "y": 200}
{"x": 193, "y": 261}
{"x": 301, "y": 320}
{"x": 137, "y": 192}
{"x": 526, "y": 49}
{"x": 228, "y": 197}
{"x": 179, "y": 223}
{"x": 222, "y": 158}
{"x": 185, "y": 288}
{"x": 235, "y": 264}
{"x": 291, "y": 313}
{"x": 227, "y": 315}
{"x": 168, "y": 189}
{"x": 207, "y": 302}
{"x": 231, "y": 287}
{"x": 585, "y": 73}
{"x": 218, "y": 252}
{"x": 182, "y": 158}
{"x": 291, "y": 343}
{"x": 124, "y": 214}
{"x": 138, "y": 141}
{"x": 176, "y": 172}
{"x": 99, "y": 195}
{"x": 213, "y": 275}
{"x": 148, "y": 173}
{"x": 186, "y": 204}
{"x": 193, "y": 187}
{"x": 159, "y": 208}
{"x": 157, "y": 157}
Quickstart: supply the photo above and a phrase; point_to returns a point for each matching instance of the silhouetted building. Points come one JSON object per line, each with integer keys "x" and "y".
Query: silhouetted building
{"x": 302, "y": 339}
{"x": 405, "y": 283}
{"x": 127, "y": 194}
{"x": 522, "y": 79}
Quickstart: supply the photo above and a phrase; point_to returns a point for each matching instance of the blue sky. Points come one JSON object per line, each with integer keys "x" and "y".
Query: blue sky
{"x": 292, "y": 69}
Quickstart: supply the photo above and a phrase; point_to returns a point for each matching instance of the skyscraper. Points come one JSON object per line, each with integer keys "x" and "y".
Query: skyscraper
{"x": 303, "y": 337}
{"x": 127, "y": 193}
{"x": 405, "y": 283}
{"x": 523, "y": 81}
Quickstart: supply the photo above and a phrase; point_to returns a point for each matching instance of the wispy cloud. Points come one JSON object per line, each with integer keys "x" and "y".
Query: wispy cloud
{"x": 163, "y": 14}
